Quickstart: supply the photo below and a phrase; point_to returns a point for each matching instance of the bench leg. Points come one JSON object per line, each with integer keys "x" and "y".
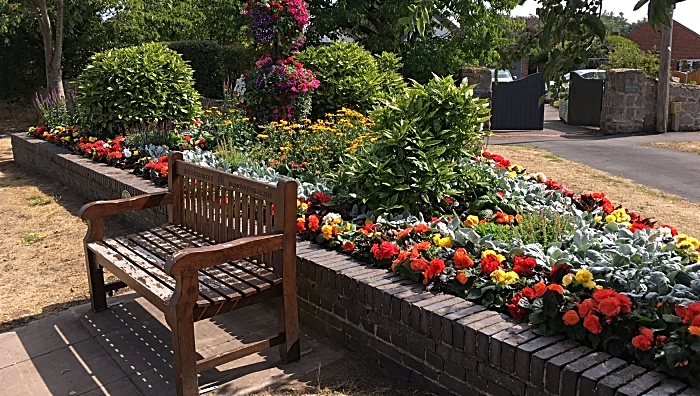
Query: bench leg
{"x": 96, "y": 280}
{"x": 184, "y": 354}
{"x": 288, "y": 320}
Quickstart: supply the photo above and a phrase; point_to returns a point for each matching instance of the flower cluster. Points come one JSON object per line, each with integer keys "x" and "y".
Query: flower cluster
{"x": 278, "y": 23}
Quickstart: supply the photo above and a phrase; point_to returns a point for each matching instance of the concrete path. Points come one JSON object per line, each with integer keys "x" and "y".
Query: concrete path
{"x": 127, "y": 351}
{"x": 672, "y": 171}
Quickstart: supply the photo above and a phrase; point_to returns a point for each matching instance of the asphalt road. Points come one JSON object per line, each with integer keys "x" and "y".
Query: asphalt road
{"x": 672, "y": 171}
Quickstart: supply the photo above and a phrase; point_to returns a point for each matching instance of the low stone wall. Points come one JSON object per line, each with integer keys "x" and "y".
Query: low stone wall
{"x": 440, "y": 342}
{"x": 629, "y": 103}
{"x": 92, "y": 180}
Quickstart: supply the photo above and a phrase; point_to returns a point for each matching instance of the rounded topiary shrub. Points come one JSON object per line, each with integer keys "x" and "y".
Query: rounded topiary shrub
{"x": 350, "y": 77}
{"x": 128, "y": 87}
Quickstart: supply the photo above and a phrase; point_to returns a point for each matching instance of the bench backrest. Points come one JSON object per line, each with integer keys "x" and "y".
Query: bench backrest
{"x": 223, "y": 207}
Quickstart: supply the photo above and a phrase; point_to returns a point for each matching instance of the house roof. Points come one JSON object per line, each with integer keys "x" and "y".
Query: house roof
{"x": 686, "y": 42}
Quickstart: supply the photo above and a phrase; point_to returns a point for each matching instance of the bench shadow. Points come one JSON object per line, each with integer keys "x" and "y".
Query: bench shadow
{"x": 127, "y": 350}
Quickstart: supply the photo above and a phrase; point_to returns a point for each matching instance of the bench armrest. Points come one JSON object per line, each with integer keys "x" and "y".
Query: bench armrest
{"x": 197, "y": 258}
{"x": 100, "y": 209}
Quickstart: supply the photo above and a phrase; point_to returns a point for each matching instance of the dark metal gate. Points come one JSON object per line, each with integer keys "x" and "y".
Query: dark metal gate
{"x": 515, "y": 105}
{"x": 585, "y": 101}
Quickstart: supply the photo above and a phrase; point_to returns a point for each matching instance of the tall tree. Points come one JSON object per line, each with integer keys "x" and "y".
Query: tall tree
{"x": 52, "y": 36}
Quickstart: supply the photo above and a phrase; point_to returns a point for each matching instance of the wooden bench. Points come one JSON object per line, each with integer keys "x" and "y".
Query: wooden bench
{"x": 230, "y": 242}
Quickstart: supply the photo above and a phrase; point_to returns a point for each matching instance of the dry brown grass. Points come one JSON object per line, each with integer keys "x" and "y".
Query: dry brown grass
{"x": 690, "y": 147}
{"x": 648, "y": 202}
{"x": 49, "y": 275}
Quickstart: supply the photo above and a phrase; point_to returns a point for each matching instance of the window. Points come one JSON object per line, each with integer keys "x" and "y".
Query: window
{"x": 689, "y": 65}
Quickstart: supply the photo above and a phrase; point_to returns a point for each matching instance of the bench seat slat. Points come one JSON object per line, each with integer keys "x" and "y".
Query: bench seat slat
{"x": 223, "y": 277}
{"x": 262, "y": 277}
{"x": 214, "y": 294}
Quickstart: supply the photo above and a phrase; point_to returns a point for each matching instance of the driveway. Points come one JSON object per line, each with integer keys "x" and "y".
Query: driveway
{"x": 627, "y": 156}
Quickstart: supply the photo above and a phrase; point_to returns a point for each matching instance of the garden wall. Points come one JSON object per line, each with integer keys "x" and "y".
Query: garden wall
{"x": 440, "y": 342}
{"x": 629, "y": 103}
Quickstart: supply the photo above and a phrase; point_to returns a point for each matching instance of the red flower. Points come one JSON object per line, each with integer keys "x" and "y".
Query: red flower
{"x": 321, "y": 197}
{"x": 405, "y": 233}
{"x": 587, "y": 307}
{"x": 421, "y": 228}
{"x": 489, "y": 264}
{"x": 609, "y": 307}
{"x": 461, "y": 278}
{"x": 301, "y": 227}
{"x": 419, "y": 264}
{"x": 625, "y": 303}
{"x": 436, "y": 266}
{"x": 528, "y": 293}
{"x": 385, "y": 251}
{"x": 602, "y": 294}
{"x": 592, "y": 324}
{"x": 516, "y": 311}
{"x": 523, "y": 265}
{"x": 674, "y": 232}
{"x": 540, "y": 289}
{"x": 314, "y": 222}
{"x": 348, "y": 246}
{"x": 556, "y": 288}
{"x": 570, "y": 318}
{"x": 660, "y": 340}
{"x": 462, "y": 260}
{"x": 642, "y": 343}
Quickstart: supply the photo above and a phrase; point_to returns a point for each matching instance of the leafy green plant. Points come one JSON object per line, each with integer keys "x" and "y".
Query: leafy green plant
{"x": 544, "y": 228}
{"x": 350, "y": 77}
{"x": 215, "y": 125}
{"x": 143, "y": 85}
{"x": 155, "y": 135}
{"x": 39, "y": 200}
{"x": 500, "y": 232}
{"x": 31, "y": 238}
{"x": 227, "y": 151}
{"x": 423, "y": 134}
{"x": 626, "y": 54}
{"x": 54, "y": 110}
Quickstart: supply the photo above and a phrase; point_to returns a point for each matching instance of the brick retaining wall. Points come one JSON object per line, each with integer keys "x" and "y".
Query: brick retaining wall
{"x": 443, "y": 343}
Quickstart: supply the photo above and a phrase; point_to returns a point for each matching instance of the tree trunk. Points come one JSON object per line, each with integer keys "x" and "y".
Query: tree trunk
{"x": 662, "y": 91}
{"x": 53, "y": 46}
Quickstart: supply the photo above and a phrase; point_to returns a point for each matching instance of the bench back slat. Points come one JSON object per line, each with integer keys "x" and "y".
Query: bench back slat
{"x": 222, "y": 207}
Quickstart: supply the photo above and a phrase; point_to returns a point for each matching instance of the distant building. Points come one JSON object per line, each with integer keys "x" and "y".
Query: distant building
{"x": 685, "y": 51}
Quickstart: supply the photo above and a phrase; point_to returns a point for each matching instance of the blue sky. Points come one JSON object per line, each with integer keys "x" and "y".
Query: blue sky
{"x": 687, "y": 12}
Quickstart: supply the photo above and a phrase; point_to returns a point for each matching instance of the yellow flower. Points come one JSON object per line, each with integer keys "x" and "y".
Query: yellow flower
{"x": 348, "y": 226}
{"x": 227, "y": 122}
{"x": 584, "y": 276}
{"x": 263, "y": 136}
{"x": 302, "y": 218}
{"x": 92, "y": 139}
{"x": 567, "y": 279}
{"x": 327, "y": 231}
{"x": 136, "y": 152}
{"x": 487, "y": 252}
{"x": 516, "y": 168}
{"x": 246, "y": 119}
{"x": 512, "y": 175}
{"x": 598, "y": 219}
{"x": 304, "y": 206}
{"x": 610, "y": 218}
{"x": 337, "y": 220}
{"x": 442, "y": 242}
{"x": 471, "y": 221}
{"x": 508, "y": 278}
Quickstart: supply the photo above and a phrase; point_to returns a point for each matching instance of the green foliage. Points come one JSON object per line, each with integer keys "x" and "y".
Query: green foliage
{"x": 214, "y": 63}
{"x": 350, "y": 77}
{"x": 214, "y": 126}
{"x": 626, "y": 54}
{"x": 543, "y": 228}
{"x": 127, "y": 87}
{"x": 155, "y": 136}
{"x": 430, "y": 58}
{"x": 227, "y": 150}
{"x": 500, "y": 232}
{"x": 470, "y": 29}
{"x": 423, "y": 134}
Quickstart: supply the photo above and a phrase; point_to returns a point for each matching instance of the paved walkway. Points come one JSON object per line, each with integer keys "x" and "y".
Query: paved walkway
{"x": 127, "y": 351}
{"x": 672, "y": 171}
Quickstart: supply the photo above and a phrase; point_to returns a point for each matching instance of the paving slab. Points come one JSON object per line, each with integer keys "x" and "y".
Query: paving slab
{"x": 127, "y": 350}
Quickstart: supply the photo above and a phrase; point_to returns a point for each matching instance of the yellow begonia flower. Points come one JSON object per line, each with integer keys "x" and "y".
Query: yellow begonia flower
{"x": 304, "y": 206}
{"x": 500, "y": 276}
{"x": 92, "y": 139}
{"x": 598, "y": 219}
{"x": 442, "y": 242}
{"x": 512, "y": 175}
{"x": 610, "y": 218}
{"x": 567, "y": 279}
{"x": 302, "y": 218}
{"x": 584, "y": 276}
{"x": 348, "y": 226}
{"x": 471, "y": 221}
{"x": 337, "y": 220}
{"x": 327, "y": 231}
{"x": 516, "y": 168}
{"x": 499, "y": 257}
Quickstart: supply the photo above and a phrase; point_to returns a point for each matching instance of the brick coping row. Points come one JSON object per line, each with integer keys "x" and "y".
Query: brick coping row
{"x": 441, "y": 342}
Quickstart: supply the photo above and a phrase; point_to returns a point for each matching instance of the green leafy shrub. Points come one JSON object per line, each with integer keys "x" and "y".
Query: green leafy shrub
{"x": 424, "y": 134}
{"x": 350, "y": 77}
{"x": 157, "y": 136}
{"x": 423, "y": 60}
{"x": 500, "y": 232}
{"x": 214, "y": 125}
{"x": 543, "y": 228}
{"x": 214, "y": 63}
{"x": 143, "y": 85}
{"x": 626, "y": 54}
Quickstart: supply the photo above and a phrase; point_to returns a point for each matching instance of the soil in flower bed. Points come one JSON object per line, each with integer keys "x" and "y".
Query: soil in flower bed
{"x": 690, "y": 147}
{"x": 645, "y": 201}
{"x": 42, "y": 267}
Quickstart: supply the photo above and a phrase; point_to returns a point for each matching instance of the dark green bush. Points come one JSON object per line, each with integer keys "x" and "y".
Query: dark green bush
{"x": 350, "y": 77}
{"x": 422, "y": 60}
{"x": 213, "y": 63}
{"x": 424, "y": 133}
{"x": 128, "y": 87}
